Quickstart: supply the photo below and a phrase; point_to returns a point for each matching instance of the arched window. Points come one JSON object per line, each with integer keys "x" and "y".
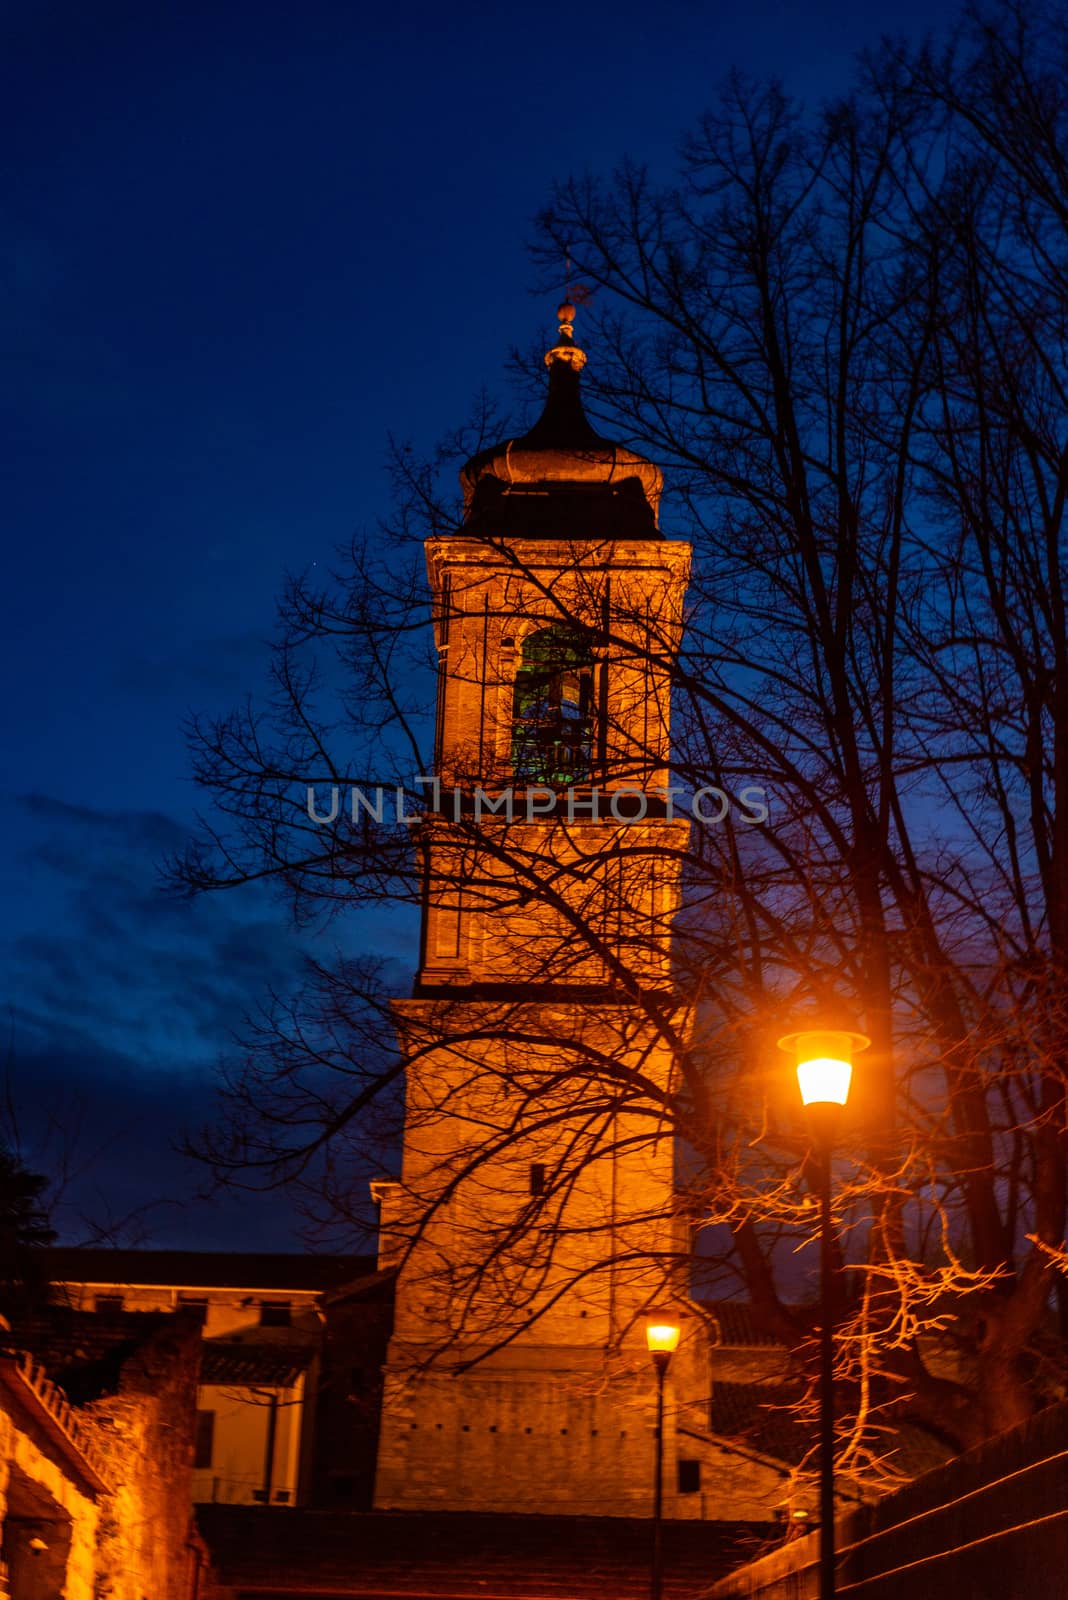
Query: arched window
{"x": 552, "y": 711}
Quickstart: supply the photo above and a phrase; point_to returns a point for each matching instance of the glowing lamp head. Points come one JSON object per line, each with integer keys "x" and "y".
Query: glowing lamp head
{"x": 662, "y": 1335}
{"x": 824, "y": 1064}
{"x": 824, "y": 1080}
{"x": 661, "y": 1338}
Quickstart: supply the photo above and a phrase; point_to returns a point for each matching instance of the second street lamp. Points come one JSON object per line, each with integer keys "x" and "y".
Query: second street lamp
{"x": 824, "y": 1070}
{"x": 662, "y": 1340}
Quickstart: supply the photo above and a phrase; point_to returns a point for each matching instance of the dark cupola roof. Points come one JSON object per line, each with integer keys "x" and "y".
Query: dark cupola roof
{"x": 561, "y": 479}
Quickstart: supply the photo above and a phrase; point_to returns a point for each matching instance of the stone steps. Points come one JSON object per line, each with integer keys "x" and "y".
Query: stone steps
{"x": 456, "y": 1555}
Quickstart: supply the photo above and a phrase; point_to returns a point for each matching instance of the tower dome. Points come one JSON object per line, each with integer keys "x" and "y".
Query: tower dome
{"x": 561, "y": 479}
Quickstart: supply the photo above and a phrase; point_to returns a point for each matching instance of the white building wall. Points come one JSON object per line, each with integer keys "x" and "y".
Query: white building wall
{"x": 237, "y": 1472}
{"x": 228, "y": 1310}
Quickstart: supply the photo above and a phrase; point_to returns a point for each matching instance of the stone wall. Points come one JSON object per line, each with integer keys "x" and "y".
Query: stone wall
{"x": 39, "y": 1499}
{"x": 509, "y": 1438}
{"x": 737, "y": 1485}
{"x": 146, "y": 1428}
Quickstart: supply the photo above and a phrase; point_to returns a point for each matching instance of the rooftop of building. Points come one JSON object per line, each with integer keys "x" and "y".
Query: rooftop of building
{"x": 254, "y": 1365}
{"x": 763, "y": 1417}
{"x": 271, "y": 1272}
{"x": 31, "y": 1398}
{"x": 739, "y": 1325}
{"x": 561, "y": 479}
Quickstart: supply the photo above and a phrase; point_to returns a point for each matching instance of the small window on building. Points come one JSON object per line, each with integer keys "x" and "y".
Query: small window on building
{"x": 275, "y": 1313}
{"x": 537, "y": 1177}
{"x": 260, "y": 1496}
{"x": 195, "y": 1306}
{"x": 204, "y": 1439}
{"x": 109, "y": 1302}
{"x": 689, "y": 1477}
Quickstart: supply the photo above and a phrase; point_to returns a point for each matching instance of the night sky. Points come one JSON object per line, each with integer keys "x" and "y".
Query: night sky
{"x": 242, "y": 243}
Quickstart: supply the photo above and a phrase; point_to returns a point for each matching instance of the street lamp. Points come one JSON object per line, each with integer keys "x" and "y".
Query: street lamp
{"x": 824, "y": 1069}
{"x": 662, "y": 1340}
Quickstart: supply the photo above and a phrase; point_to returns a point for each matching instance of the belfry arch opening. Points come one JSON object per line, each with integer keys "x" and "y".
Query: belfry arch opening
{"x": 553, "y": 708}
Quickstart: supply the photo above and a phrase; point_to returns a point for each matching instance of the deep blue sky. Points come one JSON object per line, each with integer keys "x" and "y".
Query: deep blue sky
{"x": 242, "y": 242}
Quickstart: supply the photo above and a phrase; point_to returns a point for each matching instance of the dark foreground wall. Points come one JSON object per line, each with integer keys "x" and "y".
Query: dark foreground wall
{"x": 991, "y": 1525}
{"x": 292, "y": 1553}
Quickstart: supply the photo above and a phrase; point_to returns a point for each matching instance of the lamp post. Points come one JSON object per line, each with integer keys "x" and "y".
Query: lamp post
{"x": 662, "y": 1340}
{"x": 824, "y": 1069}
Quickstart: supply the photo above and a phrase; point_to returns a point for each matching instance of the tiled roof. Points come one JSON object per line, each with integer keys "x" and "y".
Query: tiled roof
{"x": 204, "y": 1269}
{"x": 911, "y": 1451}
{"x": 760, "y": 1415}
{"x": 275, "y": 1366}
{"x": 31, "y": 1390}
{"x": 460, "y": 1555}
{"x": 739, "y": 1326}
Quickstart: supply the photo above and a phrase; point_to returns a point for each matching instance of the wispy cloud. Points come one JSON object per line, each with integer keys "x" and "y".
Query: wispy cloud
{"x": 121, "y": 1000}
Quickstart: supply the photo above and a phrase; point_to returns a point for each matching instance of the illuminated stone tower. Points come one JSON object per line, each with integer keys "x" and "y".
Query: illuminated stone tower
{"x": 533, "y": 1223}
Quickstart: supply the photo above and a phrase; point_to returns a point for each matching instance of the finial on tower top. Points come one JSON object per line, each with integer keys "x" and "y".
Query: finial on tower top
{"x": 565, "y": 349}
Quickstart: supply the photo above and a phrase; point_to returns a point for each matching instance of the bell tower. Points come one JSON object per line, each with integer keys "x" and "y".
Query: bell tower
{"x": 533, "y": 1224}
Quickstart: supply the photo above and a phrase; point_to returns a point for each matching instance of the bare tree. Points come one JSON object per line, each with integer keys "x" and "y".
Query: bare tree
{"x": 843, "y": 337}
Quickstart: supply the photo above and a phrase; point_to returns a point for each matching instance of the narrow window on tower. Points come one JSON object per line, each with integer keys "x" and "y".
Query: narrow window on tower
{"x": 552, "y": 710}
{"x": 537, "y": 1177}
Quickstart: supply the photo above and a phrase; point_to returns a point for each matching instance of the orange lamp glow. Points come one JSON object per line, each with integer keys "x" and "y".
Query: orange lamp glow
{"x": 661, "y": 1335}
{"x": 824, "y": 1063}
